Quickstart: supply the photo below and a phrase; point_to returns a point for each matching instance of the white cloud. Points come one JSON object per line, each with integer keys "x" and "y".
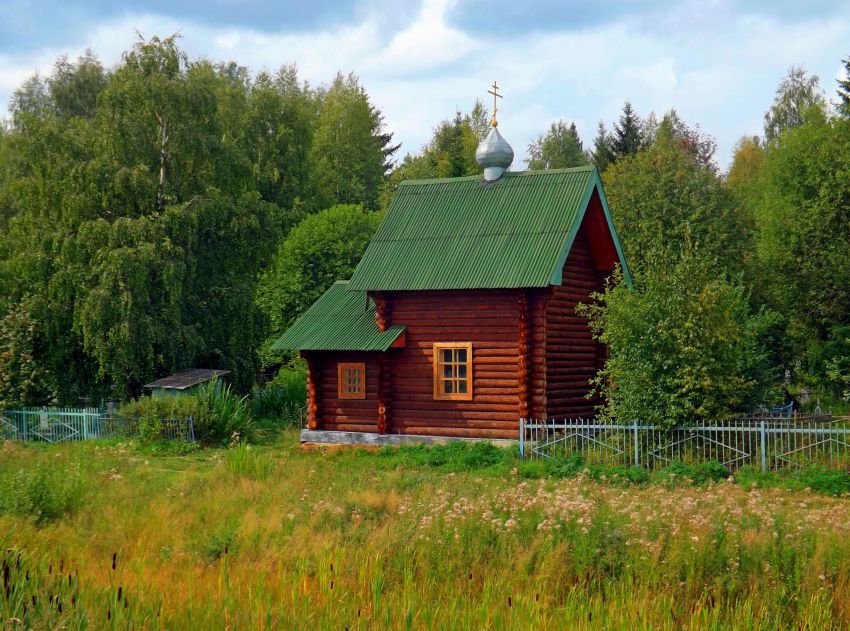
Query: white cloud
{"x": 716, "y": 67}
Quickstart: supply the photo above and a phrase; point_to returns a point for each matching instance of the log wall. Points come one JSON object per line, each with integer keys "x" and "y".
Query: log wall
{"x": 487, "y": 318}
{"x": 572, "y": 356}
{"x": 352, "y": 415}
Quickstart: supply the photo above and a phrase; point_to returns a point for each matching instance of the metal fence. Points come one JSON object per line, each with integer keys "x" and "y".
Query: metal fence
{"x": 56, "y": 425}
{"x": 767, "y": 443}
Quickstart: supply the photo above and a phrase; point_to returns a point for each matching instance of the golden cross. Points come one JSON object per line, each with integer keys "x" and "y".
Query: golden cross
{"x": 495, "y": 93}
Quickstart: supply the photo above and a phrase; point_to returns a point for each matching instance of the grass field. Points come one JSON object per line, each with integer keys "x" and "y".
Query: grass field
{"x": 103, "y": 536}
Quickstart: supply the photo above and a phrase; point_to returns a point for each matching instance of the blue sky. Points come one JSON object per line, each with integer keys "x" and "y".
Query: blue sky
{"x": 716, "y": 61}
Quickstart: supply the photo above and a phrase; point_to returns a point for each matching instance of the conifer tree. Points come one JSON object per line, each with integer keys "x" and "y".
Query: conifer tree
{"x": 602, "y": 154}
{"x": 627, "y": 135}
{"x": 844, "y": 89}
{"x": 560, "y": 148}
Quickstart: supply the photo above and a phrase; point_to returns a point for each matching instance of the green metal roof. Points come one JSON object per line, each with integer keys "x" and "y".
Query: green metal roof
{"x": 340, "y": 320}
{"x": 465, "y": 233}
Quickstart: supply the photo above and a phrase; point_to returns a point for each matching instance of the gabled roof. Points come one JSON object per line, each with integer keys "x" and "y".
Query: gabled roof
{"x": 465, "y": 233}
{"x": 341, "y": 320}
{"x": 186, "y": 378}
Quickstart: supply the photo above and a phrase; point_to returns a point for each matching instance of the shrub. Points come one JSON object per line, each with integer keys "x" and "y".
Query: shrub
{"x": 217, "y": 413}
{"x": 221, "y": 415}
{"x": 684, "y": 346}
{"x": 676, "y": 472}
{"x": 283, "y": 399}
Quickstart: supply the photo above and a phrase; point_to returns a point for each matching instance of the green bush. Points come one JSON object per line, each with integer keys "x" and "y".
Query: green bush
{"x": 46, "y": 491}
{"x": 677, "y": 472}
{"x": 218, "y": 414}
{"x": 222, "y": 416}
{"x": 454, "y": 456}
{"x": 283, "y": 399}
{"x": 684, "y": 345}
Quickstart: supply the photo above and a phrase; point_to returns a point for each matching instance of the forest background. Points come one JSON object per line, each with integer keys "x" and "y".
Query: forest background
{"x": 169, "y": 212}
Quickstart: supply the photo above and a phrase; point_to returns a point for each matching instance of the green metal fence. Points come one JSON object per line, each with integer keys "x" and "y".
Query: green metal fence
{"x": 56, "y": 425}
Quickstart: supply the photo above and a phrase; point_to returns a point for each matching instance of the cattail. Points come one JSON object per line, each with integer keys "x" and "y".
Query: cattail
{"x": 590, "y": 616}
{"x": 69, "y": 580}
{"x": 114, "y": 560}
{"x": 470, "y": 576}
{"x": 332, "y": 568}
{"x": 109, "y": 614}
{"x": 59, "y": 605}
{"x": 119, "y": 592}
{"x": 50, "y": 569}
{"x": 61, "y": 565}
{"x": 510, "y": 603}
{"x": 537, "y": 597}
{"x": 358, "y": 612}
{"x": 332, "y": 584}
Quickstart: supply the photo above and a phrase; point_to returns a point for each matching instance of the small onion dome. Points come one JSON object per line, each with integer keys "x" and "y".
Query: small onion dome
{"x": 494, "y": 154}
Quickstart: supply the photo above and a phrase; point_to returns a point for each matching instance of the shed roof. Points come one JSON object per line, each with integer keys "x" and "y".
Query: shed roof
{"x": 341, "y": 320}
{"x": 186, "y": 378}
{"x": 466, "y": 233}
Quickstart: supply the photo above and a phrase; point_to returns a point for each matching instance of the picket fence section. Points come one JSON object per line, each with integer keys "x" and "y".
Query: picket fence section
{"x": 56, "y": 425}
{"x": 766, "y": 443}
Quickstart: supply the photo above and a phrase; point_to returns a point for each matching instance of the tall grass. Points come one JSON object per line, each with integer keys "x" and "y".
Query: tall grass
{"x": 276, "y": 537}
{"x": 281, "y": 401}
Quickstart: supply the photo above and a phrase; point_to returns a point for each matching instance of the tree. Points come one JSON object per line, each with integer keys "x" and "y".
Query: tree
{"x": 449, "y": 153}
{"x": 323, "y": 248}
{"x": 351, "y": 152}
{"x": 665, "y": 196}
{"x": 627, "y": 133}
{"x": 684, "y": 345}
{"x": 803, "y": 241}
{"x": 844, "y": 90}
{"x": 559, "y": 148}
{"x": 798, "y": 100}
{"x": 602, "y": 155}
{"x": 74, "y": 88}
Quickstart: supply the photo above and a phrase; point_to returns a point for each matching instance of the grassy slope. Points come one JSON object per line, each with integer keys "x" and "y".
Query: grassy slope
{"x": 275, "y": 537}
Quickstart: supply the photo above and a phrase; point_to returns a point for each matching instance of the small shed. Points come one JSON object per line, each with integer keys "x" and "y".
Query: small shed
{"x": 184, "y": 382}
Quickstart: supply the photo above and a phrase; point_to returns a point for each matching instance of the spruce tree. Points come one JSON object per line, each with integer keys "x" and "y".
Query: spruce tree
{"x": 627, "y": 136}
{"x": 844, "y": 90}
{"x": 602, "y": 154}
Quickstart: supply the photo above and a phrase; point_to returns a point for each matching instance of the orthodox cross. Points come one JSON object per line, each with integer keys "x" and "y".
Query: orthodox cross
{"x": 495, "y": 93}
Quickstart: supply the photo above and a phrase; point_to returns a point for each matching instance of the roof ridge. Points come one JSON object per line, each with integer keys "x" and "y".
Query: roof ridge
{"x": 509, "y": 175}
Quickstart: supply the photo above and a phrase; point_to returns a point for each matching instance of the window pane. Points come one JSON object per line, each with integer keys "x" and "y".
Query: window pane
{"x": 461, "y": 371}
{"x": 461, "y": 387}
{"x": 448, "y": 386}
{"x": 461, "y": 355}
{"x": 445, "y": 355}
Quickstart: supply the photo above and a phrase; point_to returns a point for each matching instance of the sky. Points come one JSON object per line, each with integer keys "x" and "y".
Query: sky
{"x": 717, "y": 62}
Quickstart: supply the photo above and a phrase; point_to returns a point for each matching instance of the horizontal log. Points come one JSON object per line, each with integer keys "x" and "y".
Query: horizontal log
{"x": 460, "y": 424}
{"x": 436, "y": 408}
{"x": 462, "y": 433}
{"x": 505, "y": 398}
{"x": 349, "y": 427}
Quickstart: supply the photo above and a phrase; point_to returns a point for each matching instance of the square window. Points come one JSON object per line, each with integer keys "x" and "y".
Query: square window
{"x": 351, "y": 380}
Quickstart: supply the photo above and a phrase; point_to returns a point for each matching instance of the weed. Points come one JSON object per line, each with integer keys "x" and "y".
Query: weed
{"x": 241, "y": 460}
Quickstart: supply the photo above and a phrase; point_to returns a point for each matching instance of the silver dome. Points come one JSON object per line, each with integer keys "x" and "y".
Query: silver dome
{"x": 494, "y": 154}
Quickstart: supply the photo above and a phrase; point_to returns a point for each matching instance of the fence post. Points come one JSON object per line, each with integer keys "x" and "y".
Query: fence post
{"x": 763, "y": 448}
{"x": 85, "y": 424}
{"x": 522, "y": 439}
{"x": 635, "y": 434}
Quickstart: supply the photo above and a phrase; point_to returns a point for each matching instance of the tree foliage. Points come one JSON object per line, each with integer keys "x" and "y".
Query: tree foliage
{"x": 627, "y": 137}
{"x": 324, "y": 248}
{"x": 684, "y": 345}
{"x": 559, "y": 148}
{"x": 799, "y": 100}
{"x": 666, "y": 195}
{"x": 140, "y": 206}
